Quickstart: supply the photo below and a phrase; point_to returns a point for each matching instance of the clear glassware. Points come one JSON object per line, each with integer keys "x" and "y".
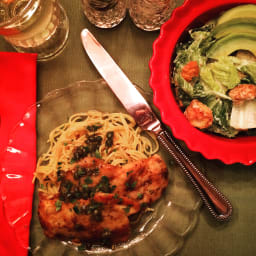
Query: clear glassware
{"x": 159, "y": 231}
{"x": 105, "y": 13}
{"x": 149, "y": 15}
{"x": 34, "y": 26}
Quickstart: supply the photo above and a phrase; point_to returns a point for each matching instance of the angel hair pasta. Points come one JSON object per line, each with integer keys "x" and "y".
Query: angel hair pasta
{"x": 113, "y": 137}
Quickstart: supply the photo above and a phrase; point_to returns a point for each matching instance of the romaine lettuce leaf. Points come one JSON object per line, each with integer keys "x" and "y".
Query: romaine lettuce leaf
{"x": 202, "y": 91}
{"x": 243, "y": 116}
{"x": 208, "y": 81}
{"x": 250, "y": 70}
{"x": 183, "y": 84}
{"x": 225, "y": 72}
{"x": 191, "y": 51}
{"x": 183, "y": 97}
{"x": 221, "y": 110}
{"x": 225, "y": 131}
{"x": 220, "y": 75}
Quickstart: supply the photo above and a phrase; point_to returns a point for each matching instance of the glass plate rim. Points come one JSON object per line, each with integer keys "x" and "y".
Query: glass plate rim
{"x": 98, "y": 83}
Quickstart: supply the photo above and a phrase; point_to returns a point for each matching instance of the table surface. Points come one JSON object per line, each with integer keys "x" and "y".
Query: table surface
{"x": 132, "y": 50}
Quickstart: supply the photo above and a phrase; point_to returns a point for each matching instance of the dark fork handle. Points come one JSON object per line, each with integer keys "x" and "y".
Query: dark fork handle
{"x": 217, "y": 204}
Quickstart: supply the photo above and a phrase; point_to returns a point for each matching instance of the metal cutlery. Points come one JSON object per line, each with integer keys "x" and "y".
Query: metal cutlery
{"x": 135, "y": 104}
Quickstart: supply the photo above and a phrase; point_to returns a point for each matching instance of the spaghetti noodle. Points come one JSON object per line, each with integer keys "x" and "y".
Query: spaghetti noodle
{"x": 114, "y": 137}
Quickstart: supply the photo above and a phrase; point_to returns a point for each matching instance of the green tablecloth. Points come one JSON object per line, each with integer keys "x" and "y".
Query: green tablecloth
{"x": 132, "y": 50}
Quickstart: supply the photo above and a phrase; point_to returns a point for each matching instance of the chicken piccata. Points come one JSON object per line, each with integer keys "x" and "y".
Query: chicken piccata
{"x": 96, "y": 200}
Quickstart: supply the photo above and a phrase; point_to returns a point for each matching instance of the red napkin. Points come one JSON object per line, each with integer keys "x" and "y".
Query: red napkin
{"x": 17, "y": 93}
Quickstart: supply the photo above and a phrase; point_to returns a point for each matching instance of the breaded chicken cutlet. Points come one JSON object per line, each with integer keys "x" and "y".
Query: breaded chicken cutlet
{"x": 96, "y": 199}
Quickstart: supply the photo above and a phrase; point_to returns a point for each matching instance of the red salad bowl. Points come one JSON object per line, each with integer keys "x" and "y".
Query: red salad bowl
{"x": 190, "y": 15}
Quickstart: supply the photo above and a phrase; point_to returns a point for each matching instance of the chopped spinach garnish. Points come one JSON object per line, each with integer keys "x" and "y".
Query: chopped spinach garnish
{"x": 93, "y": 142}
{"x": 97, "y": 154}
{"x": 88, "y": 192}
{"x": 120, "y": 201}
{"x": 60, "y": 175}
{"x": 106, "y": 232}
{"x": 116, "y": 196}
{"x": 58, "y": 205}
{"x": 81, "y": 247}
{"x": 76, "y": 193}
{"x": 88, "y": 180}
{"x": 128, "y": 173}
{"x": 104, "y": 185}
{"x": 95, "y": 210}
{"x": 131, "y": 184}
{"x": 76, "y": 209}
{"x": 143, "y": 205}
{"x": 93, "y": 128}
{"x": 140, "y": 196}
{"x": 93, "y": 172}
{"x": 73, "y": 200}
{"x": 80, "y": 172}
{"x": 127, "y": 209}
{"x": 79, "y": 153}
{"x": 85, "y": 187}
{"x": 109, "y": 140}
{"x": 72, "y": 160}
{"x": 65, "y": 190}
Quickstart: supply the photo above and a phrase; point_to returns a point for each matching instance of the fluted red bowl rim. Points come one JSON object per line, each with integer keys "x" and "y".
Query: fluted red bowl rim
{"x": 191, "y": 14}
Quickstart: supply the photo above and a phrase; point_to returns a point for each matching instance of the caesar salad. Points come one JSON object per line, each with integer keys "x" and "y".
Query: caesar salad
{"x": 214, "y": 74}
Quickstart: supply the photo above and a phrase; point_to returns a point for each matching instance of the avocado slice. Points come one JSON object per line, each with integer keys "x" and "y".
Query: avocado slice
{"x": 231, "y": 43}
{"x": 240, "y": 11}
{"x": 238, "y": 25}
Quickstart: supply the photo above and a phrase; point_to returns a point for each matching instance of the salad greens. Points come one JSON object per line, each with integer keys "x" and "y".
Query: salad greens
{"x": 250, "y": 70}
{"x": 224, "y": 74}
{"x": 215, "y": 79}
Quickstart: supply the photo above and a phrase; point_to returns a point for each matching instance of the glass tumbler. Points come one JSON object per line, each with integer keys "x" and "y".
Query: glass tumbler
{"x": 34, "y": 26}
{"x": 105, "y": 13}
{"x": 149, "y": 15}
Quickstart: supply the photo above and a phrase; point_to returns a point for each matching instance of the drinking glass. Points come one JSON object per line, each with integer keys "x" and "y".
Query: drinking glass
{"x": 105, "y": 13}
{"x": 34, "y": 26}
{"x": 149, "y": 15}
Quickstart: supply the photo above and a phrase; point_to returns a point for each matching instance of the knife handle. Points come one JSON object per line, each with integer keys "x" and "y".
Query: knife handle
{"x": 216, "y": 203}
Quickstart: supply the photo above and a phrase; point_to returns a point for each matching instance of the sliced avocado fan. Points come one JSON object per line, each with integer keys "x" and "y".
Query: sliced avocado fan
{"x": 238, "y": 25}
{"x": 247, "y": 10}
{"x": 231, "y": 43}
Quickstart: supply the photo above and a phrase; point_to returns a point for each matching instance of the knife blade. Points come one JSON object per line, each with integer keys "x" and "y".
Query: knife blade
{"x": 136, "y": 105}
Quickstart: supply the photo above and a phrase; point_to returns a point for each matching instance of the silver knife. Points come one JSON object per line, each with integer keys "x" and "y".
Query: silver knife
{"x": 137, "y": 106}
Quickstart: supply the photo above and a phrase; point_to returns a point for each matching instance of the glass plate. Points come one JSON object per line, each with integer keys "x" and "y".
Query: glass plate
{"x": 160, "y": 232}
